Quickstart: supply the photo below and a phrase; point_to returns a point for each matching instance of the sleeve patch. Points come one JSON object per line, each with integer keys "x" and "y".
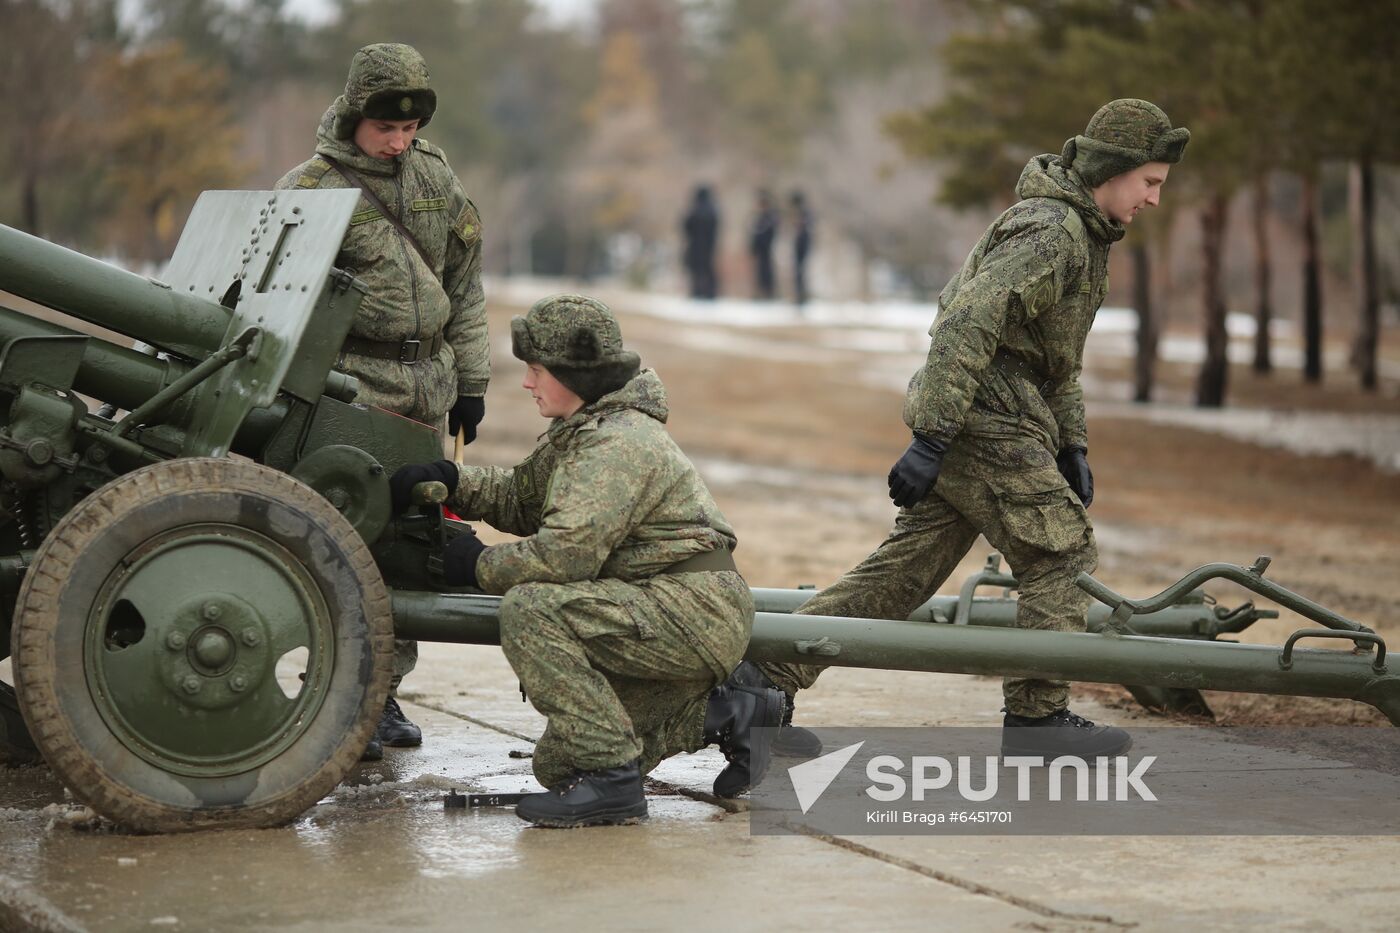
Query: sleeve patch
{"x": 525, "y": 488}
{"x": 1039, "y": 297}
{"x": 468, "y": 225}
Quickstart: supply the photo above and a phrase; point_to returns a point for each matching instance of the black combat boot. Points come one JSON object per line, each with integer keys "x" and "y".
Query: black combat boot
{"x": 1061, "y": 733}
{"x": 792, "y": 741}
{"x": 374, "y": 751}
{"x": 605, "y": 797}
{"x": 737, "y": 720}
{"x": 395, "y": 730}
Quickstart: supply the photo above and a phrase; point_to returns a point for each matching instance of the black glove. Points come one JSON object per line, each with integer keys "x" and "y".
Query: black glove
{"x": 914, "y": 474}
{"x": 459, "y": 559}
{"x": 405, "y": 478}
{"x": 466, "y": 415}
{"x": 1074, "y": 467}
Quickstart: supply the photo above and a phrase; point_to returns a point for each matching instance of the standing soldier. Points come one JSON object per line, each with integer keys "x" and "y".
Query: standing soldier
{"x": 1000, "y": 444}
{"x": 418, "y": 345}
{"x": 801, "y": 246}
{"x": 700, "y": 230}
{"x": 622, "y": 607}
{"x": 761, "y": 235}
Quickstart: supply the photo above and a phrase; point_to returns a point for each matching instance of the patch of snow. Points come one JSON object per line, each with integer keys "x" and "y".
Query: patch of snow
{"x": 1372, "y": 436}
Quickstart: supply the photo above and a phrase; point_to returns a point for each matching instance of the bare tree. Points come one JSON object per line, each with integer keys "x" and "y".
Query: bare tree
{"x": 1215, "y": 370}
{"x": 1368, "y": 331}
{"x": 1263, "y": 294}
{"x": 1312, "y": 283}
{"x": 1145, "y": 360}
{"x": 40, "y": 81}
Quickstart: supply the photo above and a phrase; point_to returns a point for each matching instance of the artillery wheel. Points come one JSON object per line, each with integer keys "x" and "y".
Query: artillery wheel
{"x": 147, "y": 638}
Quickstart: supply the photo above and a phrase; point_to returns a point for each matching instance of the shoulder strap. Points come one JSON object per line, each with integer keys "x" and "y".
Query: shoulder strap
{"x": 312, "y": 174}
{"x": 1074, "y": 226}
{"x": 354, "y": 178}
{"x": 422, "y": 145}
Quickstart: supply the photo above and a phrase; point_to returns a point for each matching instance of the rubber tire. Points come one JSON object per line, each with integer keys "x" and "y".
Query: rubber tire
{"x": 77, "y": 556}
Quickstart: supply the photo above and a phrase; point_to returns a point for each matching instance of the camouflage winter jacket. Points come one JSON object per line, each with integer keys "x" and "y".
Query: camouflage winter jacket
{"x": 608, "y": 494}
{"x": 408, "y": 299}
{"x": 1030, "y": 289}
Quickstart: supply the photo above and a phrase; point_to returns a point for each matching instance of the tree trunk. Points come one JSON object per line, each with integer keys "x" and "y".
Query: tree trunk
{"x": 29, "y": 209}
{"x": 1312, "y": 284}
{"x": 1210, "y": 388}
{"x": 154, "y": 252}
{"x": 1363, "y": 351}
{"x": 1264, "y": 303}
{"x": 1146, "y": 361}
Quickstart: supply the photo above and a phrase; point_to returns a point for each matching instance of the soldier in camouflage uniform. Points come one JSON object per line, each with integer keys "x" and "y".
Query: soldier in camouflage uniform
{"x": 622, "y": 605}
{"x": 418, "y": 345}
{"x": 999, "y": 438}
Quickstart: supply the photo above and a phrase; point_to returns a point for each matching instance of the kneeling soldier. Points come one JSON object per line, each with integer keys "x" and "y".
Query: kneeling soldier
{"x": 622, "y": 608}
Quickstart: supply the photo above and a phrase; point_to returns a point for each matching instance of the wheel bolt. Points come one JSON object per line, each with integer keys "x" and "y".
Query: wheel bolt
{"x": 175, "y": 641}
{"x": 238, "y": 683}
{"x": 190, "y": 685}
{"x": 212, "y": 611}
{"x": 251, "y": 638}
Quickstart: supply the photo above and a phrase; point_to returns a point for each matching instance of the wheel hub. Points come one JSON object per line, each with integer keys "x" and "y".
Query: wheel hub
{"x": 216, "y": 650}
{"x": 184, "y": 667}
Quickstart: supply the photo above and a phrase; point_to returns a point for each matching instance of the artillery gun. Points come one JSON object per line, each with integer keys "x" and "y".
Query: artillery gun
{"x": 200, "y": 595}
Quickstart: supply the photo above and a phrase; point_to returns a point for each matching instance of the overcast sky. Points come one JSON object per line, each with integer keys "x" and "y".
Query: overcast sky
{"x": 318, "y": 10}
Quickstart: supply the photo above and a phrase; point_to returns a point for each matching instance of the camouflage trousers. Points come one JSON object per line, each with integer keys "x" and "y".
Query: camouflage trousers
{"x": 405, "y": 660}
{"x": 1008, "y": 489}
{"x": 623, "y": 670}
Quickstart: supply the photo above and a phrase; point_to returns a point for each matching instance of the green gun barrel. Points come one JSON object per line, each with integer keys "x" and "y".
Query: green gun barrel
{"x": 120, "y": 375}
{"x": 123, "y": 376}
{"x": 102, "y": 294}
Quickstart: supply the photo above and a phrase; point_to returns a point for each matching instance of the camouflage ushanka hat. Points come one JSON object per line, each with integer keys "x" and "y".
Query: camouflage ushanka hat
{"x": 577, "y": 339}
{"x": 1121, "y": 136}
{"x": 387, "y": 81}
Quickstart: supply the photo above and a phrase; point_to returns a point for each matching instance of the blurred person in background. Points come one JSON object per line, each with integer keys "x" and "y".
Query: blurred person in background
{"x": 700, "y": 230}
{"x": 418, "y": 344}
{"x": 801, "y": 220}
{"x": 761, "y": 235}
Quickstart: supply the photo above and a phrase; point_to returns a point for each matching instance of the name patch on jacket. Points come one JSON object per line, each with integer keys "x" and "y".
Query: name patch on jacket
{"x": 429, "y": 204}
